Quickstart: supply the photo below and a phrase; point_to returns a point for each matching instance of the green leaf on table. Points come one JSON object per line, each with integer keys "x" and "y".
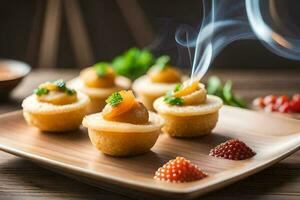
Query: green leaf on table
{"x": 214, "y": 85}
{"x": 227, "y": 91}
{"x": 230, "y": 98}
{"x": 240, "y": 102}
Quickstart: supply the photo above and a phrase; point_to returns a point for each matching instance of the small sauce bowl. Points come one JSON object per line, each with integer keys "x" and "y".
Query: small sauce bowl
{"x": 11, "y": 74}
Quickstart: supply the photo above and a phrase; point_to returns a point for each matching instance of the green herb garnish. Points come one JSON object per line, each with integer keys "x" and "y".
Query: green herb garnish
{"x": 70, "y": 91}
{"x": 40, "y": 91}
{"x": 161, "y": 62}
{"x": 114, "y": 99}
{"x": 60, "y": 84}
{"x": 133, "y": 63}
{"x": 170, "y": 99}
{"x": 173, "y": 100}
{"x": 177, "y": 87}
{"x": 101, "y": 68}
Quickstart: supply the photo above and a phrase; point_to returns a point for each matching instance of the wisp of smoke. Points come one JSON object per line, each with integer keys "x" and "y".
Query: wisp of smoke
{"x": 227, "y": 21}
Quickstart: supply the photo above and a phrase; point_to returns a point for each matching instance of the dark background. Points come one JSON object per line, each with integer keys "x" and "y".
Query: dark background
{"x": 21, "y": 24}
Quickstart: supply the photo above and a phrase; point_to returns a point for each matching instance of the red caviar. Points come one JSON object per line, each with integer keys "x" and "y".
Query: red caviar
{"x": 233, "y": 150}
{"x": 179, "y": 170}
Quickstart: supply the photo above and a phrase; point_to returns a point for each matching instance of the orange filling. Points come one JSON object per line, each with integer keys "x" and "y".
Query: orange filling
{"x": 91, "y": 79}
{"x": 138, "y": 114}
{"x": 57, "y": 98}
{"x": 167, "y": 75}
{"x": 187, "y": 90}
{"x": 128, "y": 101}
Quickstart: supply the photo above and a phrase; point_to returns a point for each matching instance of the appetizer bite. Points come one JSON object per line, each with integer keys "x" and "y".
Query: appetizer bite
{"x": 160, "y": 78}
{"x": 98, "y": 82}
{"x": 54, "y": 107}
{"x": 179, "y": 170}
{"x": 124, "y": 127}
{"x": 188, "y": 111}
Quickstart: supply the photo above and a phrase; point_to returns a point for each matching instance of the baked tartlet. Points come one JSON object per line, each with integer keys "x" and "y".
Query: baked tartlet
{"x": 124, "y": 127}
{"x": 188, "y": 111}
{"x": 98, "y": 82}
{"x": 54, "y": 107}
{"x": 160, "y": 78}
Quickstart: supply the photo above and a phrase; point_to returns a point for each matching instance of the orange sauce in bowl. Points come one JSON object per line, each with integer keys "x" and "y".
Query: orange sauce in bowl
{"x": 7, "y": 74}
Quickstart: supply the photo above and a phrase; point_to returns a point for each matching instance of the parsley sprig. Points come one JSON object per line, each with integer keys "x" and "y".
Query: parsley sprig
{"x": 178, "y": 101}
{"x": 60, "y": 84}
{"x": 161, "y": 62}
{"x": 170, "y": 99}
{"x": 133, "y": 63}
{"x": 178, "y": 87}
{"x": 40, "y": 91}
{"x": 114, "y": 99}
{"x": 101, "y": 68}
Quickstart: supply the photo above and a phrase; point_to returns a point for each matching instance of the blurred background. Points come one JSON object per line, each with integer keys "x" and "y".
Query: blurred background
{"x": 78, "y": 33}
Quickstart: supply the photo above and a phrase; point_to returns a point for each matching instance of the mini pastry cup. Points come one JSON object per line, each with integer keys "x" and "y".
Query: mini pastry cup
{"x": 99, "y": 95}
{"x": 122, "y": 139}
{"x": 148, "y": 91}
{"x": 189, "y": 121}
{"x": 54, "y": 118}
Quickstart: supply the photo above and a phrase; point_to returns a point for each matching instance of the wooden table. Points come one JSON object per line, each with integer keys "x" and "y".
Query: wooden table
{"x": 21, "y": 179}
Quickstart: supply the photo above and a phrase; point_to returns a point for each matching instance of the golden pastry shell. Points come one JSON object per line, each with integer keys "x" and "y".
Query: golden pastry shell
{"x": 120, "y": 81}
{"x": 32, "y": 105}
{"x": 96, "y": 121}
{"x": 145, "y": 86}
{"x": 212, "y": 104}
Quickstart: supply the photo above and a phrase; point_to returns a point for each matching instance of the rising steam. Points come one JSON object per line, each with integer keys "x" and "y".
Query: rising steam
{"x": 227, "y": 21}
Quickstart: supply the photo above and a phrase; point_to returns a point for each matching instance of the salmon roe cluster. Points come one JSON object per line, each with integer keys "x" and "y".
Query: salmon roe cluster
{"x": 179, "y": 170}
{"x": 232, "y": 149}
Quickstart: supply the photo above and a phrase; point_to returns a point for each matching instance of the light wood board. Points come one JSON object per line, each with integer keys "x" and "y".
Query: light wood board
{"x": 272, "y": 137}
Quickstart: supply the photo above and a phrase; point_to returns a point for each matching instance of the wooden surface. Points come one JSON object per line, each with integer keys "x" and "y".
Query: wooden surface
{"x": 21, "y": 179}
{"x": 73, "y": 153}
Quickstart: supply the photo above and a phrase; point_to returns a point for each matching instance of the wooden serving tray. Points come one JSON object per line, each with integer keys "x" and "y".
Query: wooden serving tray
{"x": 272, "y": 137}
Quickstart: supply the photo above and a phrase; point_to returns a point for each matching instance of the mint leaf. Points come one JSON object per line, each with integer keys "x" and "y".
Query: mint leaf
{"x": 114, "y": 99}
